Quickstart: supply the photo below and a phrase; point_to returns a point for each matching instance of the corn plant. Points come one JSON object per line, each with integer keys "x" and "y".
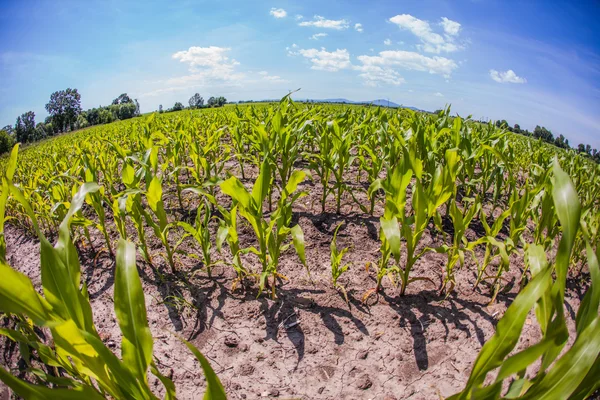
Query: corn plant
{"x": 341, "y": 159}
{"x": 493, "y": 248}
{"x": 337, "y": 267}
{"x": 321, "y": 163}
{"x": 569, "y": 374}
{"x": 201, "y": 235}
{"x": 272, "y": 233}
{"x": 460, "y": 244}
{"x": 160, "y": 225}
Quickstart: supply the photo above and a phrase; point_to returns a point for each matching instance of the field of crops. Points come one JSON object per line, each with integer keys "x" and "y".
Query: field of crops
{"x": 308, "y": 251}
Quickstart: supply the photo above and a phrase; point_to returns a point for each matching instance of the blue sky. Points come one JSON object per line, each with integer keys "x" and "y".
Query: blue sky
{"x": 529, "y": 62}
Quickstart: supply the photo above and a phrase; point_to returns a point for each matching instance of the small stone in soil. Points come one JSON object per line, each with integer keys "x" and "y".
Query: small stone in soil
{"x": 362, "y": 355}
{"x": 364, "y": 382}
{"x": 231, "y": 341}
{"x": 246, "y": 369}
{"x": 270, "y": 393}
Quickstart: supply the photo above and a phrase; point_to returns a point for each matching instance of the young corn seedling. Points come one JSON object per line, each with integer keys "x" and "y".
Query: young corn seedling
{"x": 88, "y": 369}
{"x": 228, "y": 232}
{"x": 271, "y": 234}
{"x": 460, "y": 244}
{"x": 341, "y": 160}
{"x": 491, "y": 251}
{"x": 160, "y": 226}
{"x": 337, "y": 266}
{"x": 321, "y": 163}
{"x": 201, "y": 234}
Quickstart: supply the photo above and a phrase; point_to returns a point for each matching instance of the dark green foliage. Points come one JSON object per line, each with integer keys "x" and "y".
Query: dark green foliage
{"x": 64, "y": 107}
{"x": 6, "y": 141}
{"x": 25, "y": 127}
{"x": 122, "y": 99}
{"x": 216, "y": 101}
{"x": 196, "y": 101}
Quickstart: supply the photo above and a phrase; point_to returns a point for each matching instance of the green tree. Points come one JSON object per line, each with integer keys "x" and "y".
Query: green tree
{"x": 211, "y": 102}
{"x": 40, "y": 132}
{"x": 64, "y": 107}
{"x": 160, "y": 109}
{"x": 196, "y": 101}
{"x": 560, "y": 141}
{"x": 25, "y": 127}
{"x": 122, "y": 99}
{"x": 105, "y": 116}
{"x": 9, "y": 129}
{"x": 7, "y": 141}
{"x": 177, "y": 106}
{"x": 82, "y": 121}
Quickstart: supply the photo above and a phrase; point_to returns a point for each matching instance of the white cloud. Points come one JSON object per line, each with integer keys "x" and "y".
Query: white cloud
{"x": 278, "y": 12}
{"x": 374, "y": 75}
{"x": 265, "y": 76}
{"x": 292, "y": 50}
{"x": 431, "y": 42}
{"x": 358, "y": 27}
{"x": 451, "y": 28}
{"x": 208, "y": 66}
{"x": 316, "y": 36}
{"x": 321, "y": 22}
{"x": 387, "y": 42}
{"x": 299, "y": 17}
{"x": 506, "y": 77}
{"x": 438, "y": 94}
{"x": 412, "y": 61}
{"x": 327, "y": 61}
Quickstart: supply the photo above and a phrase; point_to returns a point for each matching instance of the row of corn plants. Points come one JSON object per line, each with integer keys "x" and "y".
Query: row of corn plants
{"x": 76, "y": 363}
{"x": 418, "y": 173}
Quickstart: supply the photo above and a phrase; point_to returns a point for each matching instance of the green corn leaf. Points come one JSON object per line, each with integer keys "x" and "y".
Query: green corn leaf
{"x": 128, "y": 175}
{"x": 507, "y": 332}
{"x": 568, "y": 209}
{"x": 18, "y": 296}
{"x": 589, "y": 384}
{"x": 167, "y": 383}
{"x": 233, "y": 188}
{"x": 36, "y": 392}
{"x": 571, "y": 369}
{"x": 214, "y": 388}
{"x": 588, "y": 309}
{"x": 298, "y": 240}
{"x": 391, "y": 232}
{"x": 11, "y": 166}
{"x": 130, "y": 308}
{"x": 154, "y": 193}
{"x": 262, "y": 184}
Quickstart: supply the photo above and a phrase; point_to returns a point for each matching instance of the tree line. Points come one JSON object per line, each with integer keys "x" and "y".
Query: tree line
{"x": 196, "y": 101}
{"x": 540, "y": 132}
{"x": 66, "y": 115}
